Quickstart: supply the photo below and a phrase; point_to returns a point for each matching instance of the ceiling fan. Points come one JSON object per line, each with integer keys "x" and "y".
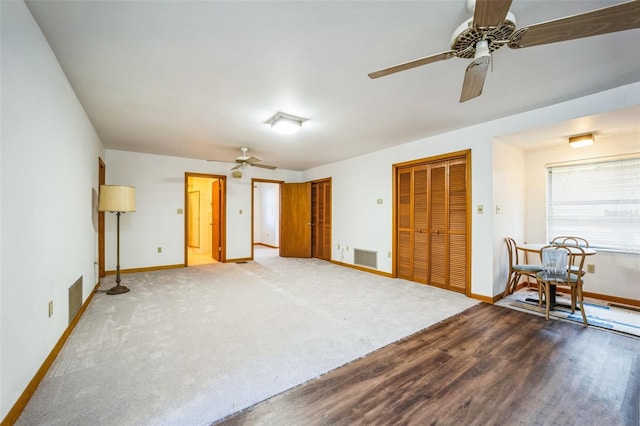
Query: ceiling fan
{"x": 493, "y": 26}
{"x": 244, "y": 160}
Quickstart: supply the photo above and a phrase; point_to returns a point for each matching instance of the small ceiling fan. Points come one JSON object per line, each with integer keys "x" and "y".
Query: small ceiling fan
{"x": 493, "y": 26}
{"x": 244, "y": 160}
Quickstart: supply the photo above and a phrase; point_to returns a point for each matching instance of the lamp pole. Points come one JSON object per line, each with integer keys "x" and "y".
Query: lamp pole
{"x": 118, "y": 289}
{"x": 117, "y": 199}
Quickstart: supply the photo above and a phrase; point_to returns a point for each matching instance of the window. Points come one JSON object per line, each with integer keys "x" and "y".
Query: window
{"x": 599, "y": 201}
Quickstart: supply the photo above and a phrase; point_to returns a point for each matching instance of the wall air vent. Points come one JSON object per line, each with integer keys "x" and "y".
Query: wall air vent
{"x": 75, "y": 298}
{"x": 366, "y": 258}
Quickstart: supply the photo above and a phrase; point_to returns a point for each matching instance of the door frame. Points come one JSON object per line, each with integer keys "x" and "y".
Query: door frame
{"x": 253, "y": 212}
{"x": 223, "y": 209}
{"x": 102, "y": 173}
{"x": 466, "y": 154}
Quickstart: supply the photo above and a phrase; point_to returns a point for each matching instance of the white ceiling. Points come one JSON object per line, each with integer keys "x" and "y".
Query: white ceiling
{"x": 198, "y": 79}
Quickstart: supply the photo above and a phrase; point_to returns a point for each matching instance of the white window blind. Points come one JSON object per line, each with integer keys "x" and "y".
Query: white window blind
{"x": 598, "y": 201}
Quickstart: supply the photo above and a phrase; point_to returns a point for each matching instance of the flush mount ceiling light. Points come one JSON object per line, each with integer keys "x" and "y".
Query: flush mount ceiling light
{"x": 581, "y": 140}
{"x": 285, "y": 123}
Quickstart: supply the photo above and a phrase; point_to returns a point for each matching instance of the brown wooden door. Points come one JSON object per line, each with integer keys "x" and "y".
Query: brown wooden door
{"x": 321, "y": 219}
{"x": 438, "y": 261}
{"x": 420, "y": 225}
{"x": 295, "y": 219}
{"x": 102, "y": 171}
{"x": 413, "y": 223}
{"x": 404, "y": 206}
{"x": 431, "y": 219}
{"x": 216, "y": 219}
{"x": 458, "y": 225}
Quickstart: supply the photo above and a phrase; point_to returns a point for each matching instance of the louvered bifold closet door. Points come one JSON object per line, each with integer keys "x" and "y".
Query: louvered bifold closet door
{"x": 320, "y": 243}
{"x": 432, "y": 209}
{"x": 326, "y": 230}
{"x": 405, "y": 226}
{"x": 438, "y": 226}
{"x": 321, "y": 219}
{"x": 314, "y": 220}
{"x": 457, "y": 225}
{"x": 420, "y": 224}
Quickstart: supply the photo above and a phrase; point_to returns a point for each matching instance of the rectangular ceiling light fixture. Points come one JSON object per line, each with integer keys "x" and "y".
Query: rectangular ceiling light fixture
{"x": 285, "y": 123}
{"x": 581, "y": 140}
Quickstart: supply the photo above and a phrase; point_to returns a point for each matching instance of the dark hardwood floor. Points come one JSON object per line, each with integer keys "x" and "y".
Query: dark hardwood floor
{"x": 489, "y": 365}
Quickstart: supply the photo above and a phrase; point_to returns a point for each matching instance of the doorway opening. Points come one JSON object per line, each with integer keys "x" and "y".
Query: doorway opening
{"x": 204, "y": 220}
{"x": 266, "y": 214}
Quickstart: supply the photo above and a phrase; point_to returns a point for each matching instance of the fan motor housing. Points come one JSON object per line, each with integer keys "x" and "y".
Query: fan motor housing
{"x": 467, "y": 35}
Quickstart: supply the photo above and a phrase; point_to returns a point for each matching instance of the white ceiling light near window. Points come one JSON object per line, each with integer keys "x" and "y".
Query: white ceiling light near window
{"x": 581, "y": 141}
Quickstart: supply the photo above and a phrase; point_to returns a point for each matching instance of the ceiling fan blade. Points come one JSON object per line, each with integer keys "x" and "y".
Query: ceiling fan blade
{"x": 252, "y": 160}
{"x": 263, "y": 166}
{"x": 474, "y": 78}
{"x": 237, "y": 166}
{"x": 490, "y": 13}
{"x": 413, "y": 64}
{"x": 621, "y": 17}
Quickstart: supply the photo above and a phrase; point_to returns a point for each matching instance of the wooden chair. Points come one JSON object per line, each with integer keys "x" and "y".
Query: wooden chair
{"x": 517, "y": 269}
{"x": 556, "y": 262}
{"x": 568, "y": 240}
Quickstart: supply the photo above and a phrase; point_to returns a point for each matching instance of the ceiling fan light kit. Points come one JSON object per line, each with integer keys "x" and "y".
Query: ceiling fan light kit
{"x": 580, "y": 141}
{"x": 493, "y": 26}
{"x": 285, "y": 123}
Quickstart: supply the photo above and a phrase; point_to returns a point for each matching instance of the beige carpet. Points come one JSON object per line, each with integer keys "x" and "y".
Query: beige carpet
{"x": 192, "y": 345}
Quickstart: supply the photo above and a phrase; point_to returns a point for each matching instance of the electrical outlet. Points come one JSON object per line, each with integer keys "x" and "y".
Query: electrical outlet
{"x": 50, "y": 308}
{"x": 180, "y": 211}
{"x": 591, "y": 268}
{"x": 159, "y": 249}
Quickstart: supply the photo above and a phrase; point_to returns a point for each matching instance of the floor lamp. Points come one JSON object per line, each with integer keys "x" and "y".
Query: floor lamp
{"x": 117, "y": 199}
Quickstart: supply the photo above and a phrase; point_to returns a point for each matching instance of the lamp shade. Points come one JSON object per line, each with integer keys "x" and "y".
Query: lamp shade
{"x": 115, "y": 198}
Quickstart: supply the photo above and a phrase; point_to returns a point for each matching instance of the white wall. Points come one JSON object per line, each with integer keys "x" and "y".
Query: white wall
{"x": 49, "y": 157}
{"x": 159, "y": 182}
{"x": 508, "y": 208}
{"x": 357, "y": 184}
{"x": 49, "y": 173}
{"x": 616, "y": 274}
{"x": 266, "y": 205}
{"x": 359, "y": 222}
